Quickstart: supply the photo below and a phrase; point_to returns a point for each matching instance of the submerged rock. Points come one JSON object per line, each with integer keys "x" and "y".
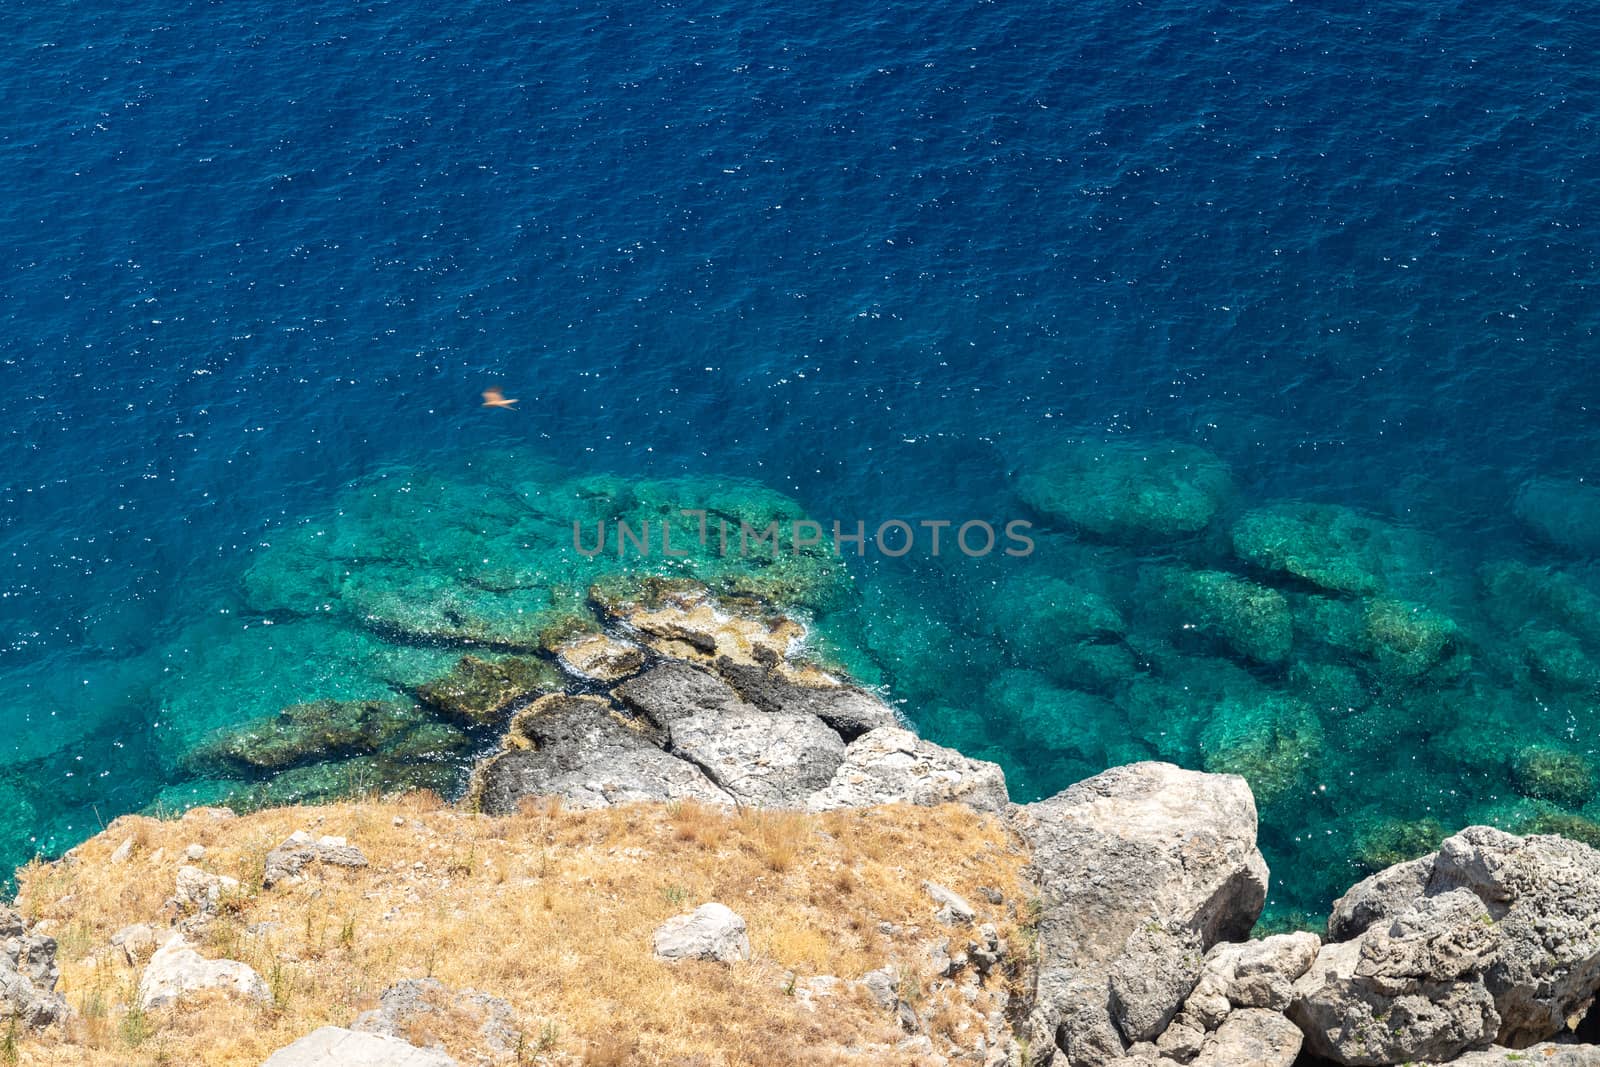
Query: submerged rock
{"x": 1557, "y": 775}
{"x": 1274, "y": 741}
{"x": 310, "y": 732}
{"x": 1122, "y": 492}
{"x": 1407, "y": 641}
{"x": 1248, "y": 619}
{"x": 1327, "y": 545}
{"x": 480, "y": 691}
{"x": 1563, "y": 512}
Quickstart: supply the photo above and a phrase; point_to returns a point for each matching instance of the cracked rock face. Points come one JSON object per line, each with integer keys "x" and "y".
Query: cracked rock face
{"x": 770, "y": 759}
{"x": 1493, "y": 938}
{"x": 575, "y": 748}
{"x": 711, "y": 932}
{"x": 1149, "y": 843}
{"x": 28, "y": 975}
{"x": 894, "y": 766}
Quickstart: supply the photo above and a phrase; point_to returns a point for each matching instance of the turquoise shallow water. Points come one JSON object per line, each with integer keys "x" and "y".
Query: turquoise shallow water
{"x": 889, "y": 263}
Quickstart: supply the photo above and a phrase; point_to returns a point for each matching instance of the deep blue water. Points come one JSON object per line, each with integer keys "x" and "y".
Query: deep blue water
{"x": 879, "y": 258}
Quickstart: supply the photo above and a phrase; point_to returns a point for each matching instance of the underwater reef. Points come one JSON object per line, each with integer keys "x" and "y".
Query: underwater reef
{"x": 1377, "y": 686}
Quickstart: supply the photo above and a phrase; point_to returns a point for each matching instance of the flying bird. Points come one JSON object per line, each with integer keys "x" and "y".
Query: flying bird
{"x": 494, "y": 398}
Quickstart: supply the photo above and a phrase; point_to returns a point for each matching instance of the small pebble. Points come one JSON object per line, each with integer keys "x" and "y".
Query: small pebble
{"x": 195, "y": 852}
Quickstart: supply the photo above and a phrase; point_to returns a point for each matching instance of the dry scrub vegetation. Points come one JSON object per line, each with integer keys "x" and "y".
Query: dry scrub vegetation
{"x": 550, "y": 909}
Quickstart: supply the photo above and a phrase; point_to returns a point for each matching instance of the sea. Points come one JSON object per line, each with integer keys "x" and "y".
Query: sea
{"x": 886, "y": 260}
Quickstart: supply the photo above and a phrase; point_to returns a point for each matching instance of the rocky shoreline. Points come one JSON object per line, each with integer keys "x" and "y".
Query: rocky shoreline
{"x": 1145, "y": 881}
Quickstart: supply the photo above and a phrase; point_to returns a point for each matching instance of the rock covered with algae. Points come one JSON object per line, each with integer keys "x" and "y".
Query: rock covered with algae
{"x": 1128, "y": 493}
{"x": 1558, "y": 775}
{"x": 1244, "y": 617}
{"x": 1274, "y": 743}
{"x": 1333, "y": 547}
{"x": 481, "y": 691}
{"x": 1564, "y": 512}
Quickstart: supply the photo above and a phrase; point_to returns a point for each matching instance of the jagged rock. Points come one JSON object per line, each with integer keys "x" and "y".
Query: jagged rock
{"x": 1261, "y": 974}
{"x": 334, "y": 1046}
{"x": 1157, "y": 969}
{"x": 883, "y": 986}
{"x": 1410, "y": 991}
{"x": 577, "y": 749}
{"x": 953, "y": 910}
{"x": 1252, "y": 1037}
{"x": 177, "y": 969}
{"x": 850, "y": 711}
{"x": 299, "y": 849}
{"x": 1538, "y": 896}
{"x": 775, "y": 759}
{"x": 1379, "y": 898}
{"x": 1144, "y": 843}
{"x": 1547, "y": 1054}
{"x": 711, "y": 932}
{"x": 600, "y": 657}
{"x": 891, "y": 765}
{"x": 28, "y": 975}
{"x": 673, "y": 689}
{"x": 407, "y": 1001}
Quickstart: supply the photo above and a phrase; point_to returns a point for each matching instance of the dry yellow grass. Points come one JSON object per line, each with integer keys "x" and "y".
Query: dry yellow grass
{"x": 550, "y": 909}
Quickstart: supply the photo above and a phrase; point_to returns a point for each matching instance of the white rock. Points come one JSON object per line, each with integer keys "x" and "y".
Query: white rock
{"x": 894, "y": 766}
{"x": 177, "y": 969}
{"x": 711, "y": 932}
{"x": 123, "y": 851}
{"x": 334, "y": 1046}
{"x": 952, "y": 909}
{"x": 195, "y": 852}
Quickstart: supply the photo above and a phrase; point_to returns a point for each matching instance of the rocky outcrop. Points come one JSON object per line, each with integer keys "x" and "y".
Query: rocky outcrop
{"x": 1545, "y": 1054}
{"x": 673, "y": 690}
{"x": 891, "y": 765}
{"x": 333, "y": 1045}
{"x": 577, "y": 748}
{"x": 177, "y": 969}
{"x": 1147, "y": 849}
{"x": 28, "y": 975}
{"x": 1494, "y": 938}
{"x": 767, "y": 759}
{"x": 848, "y": 710}
{"x": 711, "y": 932}
{"x": 600, "y": 657}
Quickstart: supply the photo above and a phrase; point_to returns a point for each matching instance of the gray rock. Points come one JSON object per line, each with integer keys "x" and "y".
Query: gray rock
{"x": 197, "y": 892}
{"x": 1564, "y": 512}
{"x": 137, "y": 942}
{"x": 883, "y": 986}
{"x": 1252, "y": 1037}
{"x": 580, "y": 751}
{"x": 1144, "y": 843}
{"x": 769, "y": 759}
{"x": 600, "y": 657}
{"x": 411, "y": 999}
{"x": 28, "y": 975}
{"x": 1540, "y": 898}
{"x": 334, "y": 1046}
{"x": 1546, "y": 1054}
{"x": 177, "y": 969}
{"x": 288, "y": 860}
{"x": 1261, "y": 974}
{"x": 953, "y": 910}
{"x": 1182, "y": 1041}
{"x": 1410, "y": 991}
{"x": 1157, "y": 969}
{"x": 891, "y": 765}
{"x": 848, "y": 710}
{"x": 1379, "y": 898}
{"x": 711, "y": 932}
{"x": 673, "y": 690}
